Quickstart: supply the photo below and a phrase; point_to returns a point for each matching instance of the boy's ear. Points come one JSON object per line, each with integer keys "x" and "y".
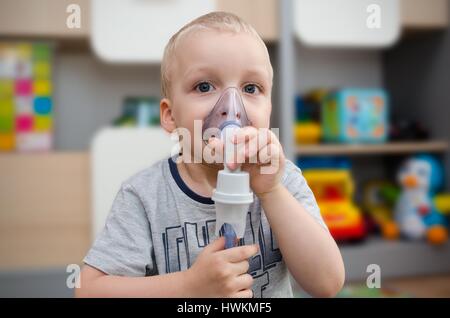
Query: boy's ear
{"x": 165, "y": 113}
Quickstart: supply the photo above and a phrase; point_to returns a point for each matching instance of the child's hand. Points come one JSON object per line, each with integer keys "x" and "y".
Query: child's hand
{"x": 221, "y": 273}
{"x": 263, "y": 155}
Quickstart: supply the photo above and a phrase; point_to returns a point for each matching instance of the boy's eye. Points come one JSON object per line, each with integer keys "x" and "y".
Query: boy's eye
{"x": 251, "y": 89}
{"x": 204, "y": 87}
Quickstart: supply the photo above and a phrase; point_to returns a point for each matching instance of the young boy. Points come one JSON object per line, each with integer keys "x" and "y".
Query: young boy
{"x": 159, "y": 239}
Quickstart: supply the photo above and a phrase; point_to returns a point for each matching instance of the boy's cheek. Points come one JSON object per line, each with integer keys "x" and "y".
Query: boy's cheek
{"x": 259, "y": 119}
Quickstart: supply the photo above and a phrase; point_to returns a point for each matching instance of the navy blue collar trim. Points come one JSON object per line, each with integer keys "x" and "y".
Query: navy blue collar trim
{"x": 183, "y": 186}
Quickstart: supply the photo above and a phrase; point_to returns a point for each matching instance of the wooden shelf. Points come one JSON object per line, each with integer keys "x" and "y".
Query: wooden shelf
{"x": 42, "y": 19}
{"x": 261, "y": 14}
{"x": 391, "y": 148}
{"x": 424, "y": 15}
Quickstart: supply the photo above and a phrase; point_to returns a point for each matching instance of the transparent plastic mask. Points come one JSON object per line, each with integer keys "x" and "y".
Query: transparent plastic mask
{"x": 229, "y": 110}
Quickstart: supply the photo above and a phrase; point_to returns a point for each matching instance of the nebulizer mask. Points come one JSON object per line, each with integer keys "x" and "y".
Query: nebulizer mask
{"x": 232, "y": 195}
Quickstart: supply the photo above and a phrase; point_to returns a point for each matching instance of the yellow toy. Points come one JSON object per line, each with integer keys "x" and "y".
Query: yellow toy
{"x": 307, "y": 133}
{"x": 307, "y": 129}
{"x": 333, "y": 189}
{"x": 442, "y": 202}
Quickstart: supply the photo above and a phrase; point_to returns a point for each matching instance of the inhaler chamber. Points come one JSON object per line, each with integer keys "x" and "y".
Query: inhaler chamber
{"x": 232, "y": 195}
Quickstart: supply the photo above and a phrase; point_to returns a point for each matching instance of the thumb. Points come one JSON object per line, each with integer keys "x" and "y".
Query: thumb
{"x": 217, "y": 245}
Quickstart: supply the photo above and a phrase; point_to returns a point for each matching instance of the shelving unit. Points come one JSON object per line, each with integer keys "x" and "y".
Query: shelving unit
{"x": 392, "y": 148}
{"x": 395, "y": 258}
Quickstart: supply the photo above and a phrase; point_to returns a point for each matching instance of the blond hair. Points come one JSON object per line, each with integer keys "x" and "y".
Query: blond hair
{"x": 220, "y": 21}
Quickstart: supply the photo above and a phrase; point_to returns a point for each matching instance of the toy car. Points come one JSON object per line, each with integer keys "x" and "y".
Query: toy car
{"x": 333, "y": 189}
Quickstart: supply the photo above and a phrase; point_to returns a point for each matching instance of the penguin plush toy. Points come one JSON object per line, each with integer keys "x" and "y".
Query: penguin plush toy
{"x": 415, "y": 213}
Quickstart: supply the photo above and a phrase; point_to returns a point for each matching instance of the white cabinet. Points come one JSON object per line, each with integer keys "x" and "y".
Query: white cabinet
{"x": 137, "y": 31}
{"x": 350, "y": 23}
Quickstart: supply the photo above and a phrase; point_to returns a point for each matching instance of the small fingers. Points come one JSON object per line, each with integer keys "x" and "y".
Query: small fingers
{"x": 213, "y": 152}
{"x": 215, "y": 246}
{"x": 241, "y": 267}
{"x": 240, "y": 253}
{"x": 244, "y": 134}
{"x": 244, "y": 281}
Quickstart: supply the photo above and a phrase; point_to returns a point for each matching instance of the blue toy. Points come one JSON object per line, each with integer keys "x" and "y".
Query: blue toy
{"x": 415, "y": 212}
{"x": 324, "y": 163}
{"x": 355, "y": 116}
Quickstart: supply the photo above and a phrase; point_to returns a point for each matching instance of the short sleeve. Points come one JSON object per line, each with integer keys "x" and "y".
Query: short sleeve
{"x": 124, "y": 246}
{"x": 298, "y": 187}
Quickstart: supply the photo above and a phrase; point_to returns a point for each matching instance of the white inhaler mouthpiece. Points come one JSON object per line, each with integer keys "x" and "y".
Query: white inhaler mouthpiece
{"x": 232, "y": 195}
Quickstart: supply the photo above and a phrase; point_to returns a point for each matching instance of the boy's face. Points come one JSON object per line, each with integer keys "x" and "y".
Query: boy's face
{"x": 206, "y": 63}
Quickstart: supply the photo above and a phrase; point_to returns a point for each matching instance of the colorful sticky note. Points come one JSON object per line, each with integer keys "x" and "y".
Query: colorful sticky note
{"x": 23, "y": 69}
{"x": 8, "y": 61}
{"x": 6, "y": 142}
{"x": 41, "y": 51}
{"x": 42, "y": 87}
{"x": 42, "y": 123}
{"x": 23, "y": 87}
{"x": 6, "y": 108}
{"x": 6, "y": 88}
{"x": 34, "y": 141}
{"x": 24, "y": 51}
{"x": 6, "y": 124}
{"x": 41, "y": 70}
{"x": 24, "y": 104}
{"x": 24, "y": 123}
{"x": 42, "y": 105}
{"x": 6, "y": 115}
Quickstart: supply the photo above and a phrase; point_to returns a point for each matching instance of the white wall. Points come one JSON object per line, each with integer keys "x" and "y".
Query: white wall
{"x": 337, "y": 68}
{"x": 88, "y": 94}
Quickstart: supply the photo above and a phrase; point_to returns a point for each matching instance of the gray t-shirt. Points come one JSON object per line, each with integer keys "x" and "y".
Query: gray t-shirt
{"x": 158, "y": 225}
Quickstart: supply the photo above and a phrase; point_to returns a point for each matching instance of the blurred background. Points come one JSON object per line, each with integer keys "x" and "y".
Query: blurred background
{"x": 361, "y": 97}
